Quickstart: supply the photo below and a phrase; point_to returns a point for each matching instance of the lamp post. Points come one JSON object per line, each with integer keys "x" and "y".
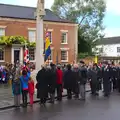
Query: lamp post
{"x": 40, "y": 13}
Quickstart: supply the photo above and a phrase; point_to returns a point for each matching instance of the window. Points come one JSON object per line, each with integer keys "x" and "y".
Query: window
{"x": 118, "y": 49}
{"x": 1, "y": 55}
{"x": 32, "y": 54}
{"x": 101, "y": 50}
{"x": 32, "y": 35}
{"x": 2, "y": 31}
{"x": 64, "y": 38}
{"x": 50, "y": 36}
{"x": 64, "y": 56}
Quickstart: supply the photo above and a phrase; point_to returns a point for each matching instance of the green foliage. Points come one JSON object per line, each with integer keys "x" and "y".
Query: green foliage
{"x": 88, "y": 14}
{"x": 31, "y": 44}
{"x": 82, "y": 55}
{"x": 9, "y": 40}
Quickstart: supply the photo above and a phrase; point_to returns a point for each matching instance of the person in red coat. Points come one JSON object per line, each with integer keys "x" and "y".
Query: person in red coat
{"x": 31, "y": 90}
{"x": 59, "y": 83}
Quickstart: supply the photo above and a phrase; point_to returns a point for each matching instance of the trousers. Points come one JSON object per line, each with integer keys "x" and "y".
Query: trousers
{"x": 31, "y": 98}
{"x": 24, "y": 97}
{"x": 59, "y": 91}
{"x": 17, "y": 100}
{"x": 82, "y": 91}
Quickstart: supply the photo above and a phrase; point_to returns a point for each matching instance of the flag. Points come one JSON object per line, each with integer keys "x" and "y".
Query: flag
{"x": 26, "y": 56}
{"x": 47, "y": 47}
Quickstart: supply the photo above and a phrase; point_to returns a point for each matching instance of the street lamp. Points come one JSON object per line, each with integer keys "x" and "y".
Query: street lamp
{"x": 40, "y": 13}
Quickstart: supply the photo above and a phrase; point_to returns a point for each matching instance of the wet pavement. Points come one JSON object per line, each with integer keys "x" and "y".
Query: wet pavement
{"x": 6, "y": 96}
{"x": 95, "y": 108}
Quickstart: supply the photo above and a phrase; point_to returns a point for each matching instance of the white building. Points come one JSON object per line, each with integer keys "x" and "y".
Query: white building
{"x": 109, "y": 49}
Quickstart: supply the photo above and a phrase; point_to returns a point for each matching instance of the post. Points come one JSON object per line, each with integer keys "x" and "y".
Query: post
{"x": 76, "y": 42}
{"x": 39, "y": 31}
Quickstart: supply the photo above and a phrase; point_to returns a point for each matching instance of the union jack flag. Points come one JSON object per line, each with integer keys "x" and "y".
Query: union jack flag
{"x": 26, "y": 56}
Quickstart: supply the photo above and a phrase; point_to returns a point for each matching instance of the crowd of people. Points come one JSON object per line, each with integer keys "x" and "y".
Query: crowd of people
{"x": 52, "y": 79}
{"x": 104, "y": 76}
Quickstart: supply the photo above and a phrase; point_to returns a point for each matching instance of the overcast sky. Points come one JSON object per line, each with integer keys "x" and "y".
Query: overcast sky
{"x": 111, "y": 20}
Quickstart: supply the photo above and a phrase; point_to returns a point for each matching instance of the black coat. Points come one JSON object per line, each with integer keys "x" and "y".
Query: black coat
{"x": 42, "y": 84}
{"x": 68, "y": 80}
{"x": 51, "y": 78}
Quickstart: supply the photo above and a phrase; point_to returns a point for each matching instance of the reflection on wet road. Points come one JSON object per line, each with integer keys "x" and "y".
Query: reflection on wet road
{"x": 93, "y": 109}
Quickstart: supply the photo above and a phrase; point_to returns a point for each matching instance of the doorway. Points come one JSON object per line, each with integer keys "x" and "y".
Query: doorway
{"x": 16, "y": 55}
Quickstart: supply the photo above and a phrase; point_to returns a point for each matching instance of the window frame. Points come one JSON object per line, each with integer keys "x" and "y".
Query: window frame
{"x": 34, "y": 54}
{"x": 3, "y": 55}
{"x": 64, "y": 32}
{"x": 33, "y": 30}
{"x": 3, "y": 27}
{"x": 67, "y": 55}
{"x": 118, "y": 48}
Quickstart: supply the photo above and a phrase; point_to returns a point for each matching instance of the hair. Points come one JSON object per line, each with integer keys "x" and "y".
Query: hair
{"x": 69, "y": 67}
{"x": 24, "y": 72}
{"x": 30, "y": 79}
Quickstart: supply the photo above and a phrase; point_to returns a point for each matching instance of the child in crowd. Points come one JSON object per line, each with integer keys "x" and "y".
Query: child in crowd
{"x": 24, "y": 83}
{"x": 31, "y": 90}
{"x": 16, "y": 88}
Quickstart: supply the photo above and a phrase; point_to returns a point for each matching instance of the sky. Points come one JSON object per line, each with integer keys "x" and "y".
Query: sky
{"x": 111, "y": 20}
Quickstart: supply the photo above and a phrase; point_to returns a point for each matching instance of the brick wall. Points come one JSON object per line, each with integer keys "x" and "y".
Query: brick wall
{"x": 20, "y": 27}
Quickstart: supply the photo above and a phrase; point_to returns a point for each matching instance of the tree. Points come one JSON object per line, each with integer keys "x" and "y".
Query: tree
{"x": 88, "y": 14}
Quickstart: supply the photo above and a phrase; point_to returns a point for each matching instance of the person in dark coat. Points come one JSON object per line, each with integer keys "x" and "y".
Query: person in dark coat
{"x": 42, "y": 85}
{"x": 52, "y": 78}
{"x": 83, "y": 75}
{"x": 92, "y": 73}
{"x": 76, "y": 79}
{"x": 118, "y": 77}
{"x": 69, "y": 81}
{"x": 114, "y": 76}
{"x": 106, "y": 80}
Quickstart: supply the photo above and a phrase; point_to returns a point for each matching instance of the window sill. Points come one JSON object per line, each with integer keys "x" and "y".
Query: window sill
{"x": 64, "y": 43}
{"x": 32, "y": 60}
{"x": 2, "y": 61}
{"x": 50, "y": 61}
{"x": 64, "y": 60}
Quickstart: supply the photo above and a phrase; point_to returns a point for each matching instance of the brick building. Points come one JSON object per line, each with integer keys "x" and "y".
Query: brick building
{"x": 19, "y": 20}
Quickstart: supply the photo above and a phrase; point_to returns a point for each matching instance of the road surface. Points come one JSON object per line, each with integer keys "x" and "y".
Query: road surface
{"x": 98, "y": 108}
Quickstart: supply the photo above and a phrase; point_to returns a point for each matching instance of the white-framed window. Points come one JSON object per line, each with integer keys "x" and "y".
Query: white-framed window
{"x": 32, "y": 54}
{"x": 2, "y": 55}
{"x": 2, "y": 32}
{"x": 64, "y": 56}
{"x": 118, "y": 49}
{"x": 64, "y": 37}
{"x": 32, "y": 35}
